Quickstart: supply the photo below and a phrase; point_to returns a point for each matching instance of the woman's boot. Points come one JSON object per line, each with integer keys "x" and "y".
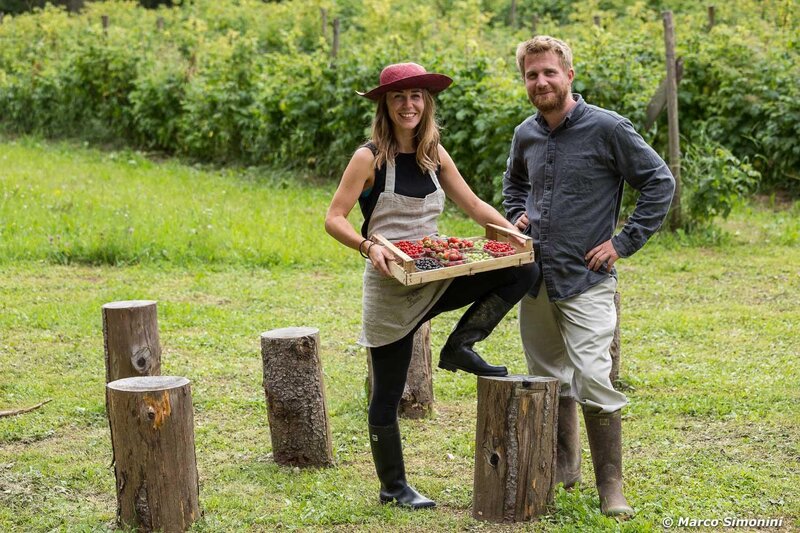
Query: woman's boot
{"x": 476, "y": 324}
{"x": 568, "y": 454}
{"x": 387, "y": 452}
{"x": 605, "y": 442}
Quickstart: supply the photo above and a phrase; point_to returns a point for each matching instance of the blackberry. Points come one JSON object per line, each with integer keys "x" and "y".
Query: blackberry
{"x": 427, "y": 263}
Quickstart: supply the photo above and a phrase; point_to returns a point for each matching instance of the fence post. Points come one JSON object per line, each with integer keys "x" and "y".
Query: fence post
{"x": 534, "y": 23}
{"x": 324, "y": 15}
{"x": 711, "y": 16}
{"x": 512, "y": 16}
{"x": 672, "y": 118}
{"x": 596, "y": 20}
{"x": 335, "y": 46}
{"x": 104, "y": 21}
{"x": 160, "y": 23}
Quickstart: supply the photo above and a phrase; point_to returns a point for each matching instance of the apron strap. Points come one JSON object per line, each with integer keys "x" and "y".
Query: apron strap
{"x": 389, "y": 185}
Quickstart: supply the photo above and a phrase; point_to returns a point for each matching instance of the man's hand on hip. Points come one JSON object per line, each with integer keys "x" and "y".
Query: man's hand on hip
{"x": 604, "y": 254}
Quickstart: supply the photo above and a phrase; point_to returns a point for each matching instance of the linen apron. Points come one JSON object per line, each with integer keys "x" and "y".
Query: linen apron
{"x": 390, "y": 310}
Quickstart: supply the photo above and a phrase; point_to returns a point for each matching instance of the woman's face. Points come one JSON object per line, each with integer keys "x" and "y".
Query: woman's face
{"x": 405, "y": 108}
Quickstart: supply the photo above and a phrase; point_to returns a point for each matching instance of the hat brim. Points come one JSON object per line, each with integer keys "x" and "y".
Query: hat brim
{"x": 433, "y": 82}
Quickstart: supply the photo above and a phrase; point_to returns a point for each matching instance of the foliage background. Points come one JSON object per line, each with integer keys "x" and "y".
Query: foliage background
{"x": 253, "y": 83}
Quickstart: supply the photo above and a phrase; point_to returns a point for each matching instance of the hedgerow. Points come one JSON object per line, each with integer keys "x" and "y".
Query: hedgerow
{"x": 254, "y": 83}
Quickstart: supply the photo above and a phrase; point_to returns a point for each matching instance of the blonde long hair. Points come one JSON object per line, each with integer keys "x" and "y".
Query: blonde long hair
{"x": 426, "y": 136}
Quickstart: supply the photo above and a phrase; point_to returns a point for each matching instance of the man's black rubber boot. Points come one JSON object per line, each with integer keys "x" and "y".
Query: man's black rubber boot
{"x": 476, "y": 324}
{"x": 387, "y": 452}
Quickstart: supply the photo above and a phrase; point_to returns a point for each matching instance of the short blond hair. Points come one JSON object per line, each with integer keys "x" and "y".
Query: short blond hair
{"x": 541, "y": 44}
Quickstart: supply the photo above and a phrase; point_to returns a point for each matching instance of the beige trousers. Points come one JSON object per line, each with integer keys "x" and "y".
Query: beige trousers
{"x": 570, "y": 339}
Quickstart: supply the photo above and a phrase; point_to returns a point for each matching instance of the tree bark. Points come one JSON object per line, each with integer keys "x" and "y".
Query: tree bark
{"x": 417, "y": 400}
{"x": 295, "y": 391}
{"x": 152, "y": 438}
{"x": 616, "y": 343}
{"x": 515, "y": 447}
{"x": 130, "y": 332}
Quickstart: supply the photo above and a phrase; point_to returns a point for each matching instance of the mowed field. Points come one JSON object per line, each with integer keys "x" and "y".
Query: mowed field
{"x": 710, "y": 345}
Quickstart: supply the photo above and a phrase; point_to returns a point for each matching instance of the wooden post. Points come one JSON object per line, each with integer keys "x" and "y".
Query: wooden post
{"x": 659, "y": 100}
{"x": 417, "y": 400}
{"x": 1, "y": 17}
{"x": 672, "y": 119}
{"x": 160, "y": 23}
{"x": 512, "y": 15}
{"x": 335, "y": 46}
{"x": 616, "y": 342}
{"x": 515, "y": 447}
{"x": 130, "y": 335}
{"x": 711, "y": 16}
{"x": 295, "y": 391}
{"x": 104, "y": 20}
{"x": 534, "y": 24}
{"x": 74, "y": 6}
{"x": 152, "y": 439}
{"x": 596, "y": 19}
{"x": 324, "y": 15}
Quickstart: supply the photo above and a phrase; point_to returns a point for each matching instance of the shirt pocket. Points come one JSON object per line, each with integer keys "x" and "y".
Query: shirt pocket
{"x": 576, "y": 175}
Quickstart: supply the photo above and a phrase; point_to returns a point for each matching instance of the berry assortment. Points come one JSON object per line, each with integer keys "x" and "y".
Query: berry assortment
{"x": 436, "y": 252}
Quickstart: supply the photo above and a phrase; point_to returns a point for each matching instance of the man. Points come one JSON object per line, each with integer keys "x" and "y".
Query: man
{"x": 563, "y": 187}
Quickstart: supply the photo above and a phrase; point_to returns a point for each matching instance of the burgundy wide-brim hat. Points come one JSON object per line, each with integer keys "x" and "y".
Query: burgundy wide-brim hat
{"x": 402, "y": 76}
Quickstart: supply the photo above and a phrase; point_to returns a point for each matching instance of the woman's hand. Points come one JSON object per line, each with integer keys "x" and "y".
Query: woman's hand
{"x": 380, "y": 258}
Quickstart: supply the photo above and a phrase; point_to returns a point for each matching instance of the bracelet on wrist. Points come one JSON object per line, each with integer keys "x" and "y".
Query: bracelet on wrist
{"x": 363, "y": 254}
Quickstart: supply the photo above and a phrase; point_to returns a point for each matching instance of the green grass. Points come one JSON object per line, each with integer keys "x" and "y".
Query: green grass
{"x": 710, "y": 344}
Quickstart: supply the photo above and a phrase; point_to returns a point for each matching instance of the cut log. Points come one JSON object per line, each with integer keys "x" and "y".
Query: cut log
{"x": 515, "y": 447}
{"x": 152, "y": 438}
{"x": 616, "y": 345}
{"x": 295, "y": 391}
{"x": 417, "y": 400}
{"x": 130, "y": 332}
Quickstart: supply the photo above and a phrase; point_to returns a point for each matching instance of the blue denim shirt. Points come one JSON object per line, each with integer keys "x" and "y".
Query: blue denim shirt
{"x": 569, "y": 181}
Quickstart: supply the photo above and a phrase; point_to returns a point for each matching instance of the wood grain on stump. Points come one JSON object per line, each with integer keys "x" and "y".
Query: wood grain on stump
{"x": 130, "y": 332}
{"x": 152, "y": 437}
{"x": 515, "y": 447}
{"x": 295, "y": 392}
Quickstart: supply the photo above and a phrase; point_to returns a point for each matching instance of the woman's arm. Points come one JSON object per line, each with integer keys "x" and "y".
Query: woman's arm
{"x": 359, "y": 172}
{"x": 457, "y": 190}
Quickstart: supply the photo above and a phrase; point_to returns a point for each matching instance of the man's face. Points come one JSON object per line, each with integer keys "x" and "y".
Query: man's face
{"x": 546, "y": 81}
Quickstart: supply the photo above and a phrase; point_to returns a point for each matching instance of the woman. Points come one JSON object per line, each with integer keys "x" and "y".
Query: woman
{"x": 400, "y": 179}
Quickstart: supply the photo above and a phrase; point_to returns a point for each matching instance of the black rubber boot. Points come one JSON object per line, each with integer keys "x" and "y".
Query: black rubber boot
{"x": 605, "y": 441}
{"x": 476, "y": 324}
{"x": 387, "y": 452}
{"x": 568, "y": 455}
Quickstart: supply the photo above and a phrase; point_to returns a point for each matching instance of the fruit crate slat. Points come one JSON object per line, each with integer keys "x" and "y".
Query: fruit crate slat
{"x": 406, "y": 272}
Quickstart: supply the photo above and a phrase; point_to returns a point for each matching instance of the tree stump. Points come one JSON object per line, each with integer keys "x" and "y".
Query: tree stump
{"x": 295, "y": 391}
{"x": 515, "y": 447}
{"x": 417, "y": 400}
{"x": 152, "y": 438}
{"x": 130, "y": 332}
{"x": 615, "y": 343}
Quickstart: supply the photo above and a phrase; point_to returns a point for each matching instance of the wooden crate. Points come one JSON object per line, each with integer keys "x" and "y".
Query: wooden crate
{"x": 405, "y": 271}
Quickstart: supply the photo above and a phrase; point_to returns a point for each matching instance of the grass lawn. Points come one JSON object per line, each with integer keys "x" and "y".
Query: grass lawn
{"x": 710, "y": 346}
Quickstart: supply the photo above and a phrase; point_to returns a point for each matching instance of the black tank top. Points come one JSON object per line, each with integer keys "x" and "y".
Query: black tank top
{"x": 410, "y": 180}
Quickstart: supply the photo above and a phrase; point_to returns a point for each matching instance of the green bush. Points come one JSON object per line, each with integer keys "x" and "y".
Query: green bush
{"x": 253, "y": 82}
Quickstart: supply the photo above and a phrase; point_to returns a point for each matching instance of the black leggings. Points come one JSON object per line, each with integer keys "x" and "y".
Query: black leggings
{"x": 390, "y": 361}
